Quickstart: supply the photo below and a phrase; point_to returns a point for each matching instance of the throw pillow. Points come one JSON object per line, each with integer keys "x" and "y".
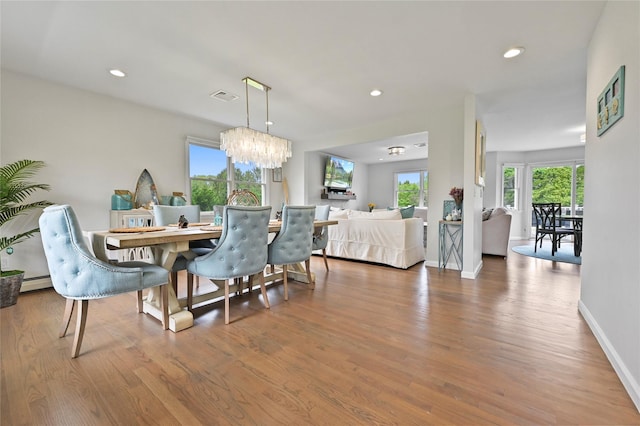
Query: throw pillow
{"x": 406, "y": 212}
{"x": 486, "y": 213}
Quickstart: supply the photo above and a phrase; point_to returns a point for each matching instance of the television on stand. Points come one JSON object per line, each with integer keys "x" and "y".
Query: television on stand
{"x": 338, "y": 174}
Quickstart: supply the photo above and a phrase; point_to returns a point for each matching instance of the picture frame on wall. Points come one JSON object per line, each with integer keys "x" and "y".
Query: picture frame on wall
{"x": 277, "y": 174}
{"x": 611, "y": 102}
{"x": 481, "y": 152}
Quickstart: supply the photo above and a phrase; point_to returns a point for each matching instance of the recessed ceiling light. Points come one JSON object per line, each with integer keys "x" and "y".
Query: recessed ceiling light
{"x": 375, "y": 92}
{"x": 513, "y": 52}
{"x": 269, "y": 123}
{"x": 117, "y": 73}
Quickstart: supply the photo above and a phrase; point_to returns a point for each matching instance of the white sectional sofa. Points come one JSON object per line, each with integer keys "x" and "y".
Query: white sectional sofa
{"x": 380, "y": 237}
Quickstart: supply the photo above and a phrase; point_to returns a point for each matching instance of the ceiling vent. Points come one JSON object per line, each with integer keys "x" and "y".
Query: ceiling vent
{"x": 221, "y": 95}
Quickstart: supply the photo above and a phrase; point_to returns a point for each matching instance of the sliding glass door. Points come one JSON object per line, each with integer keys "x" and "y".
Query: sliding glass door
{"x": 562, "y": 184}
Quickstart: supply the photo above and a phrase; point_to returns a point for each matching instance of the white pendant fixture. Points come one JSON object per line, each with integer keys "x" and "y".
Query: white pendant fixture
{"x": 246, "y": 145}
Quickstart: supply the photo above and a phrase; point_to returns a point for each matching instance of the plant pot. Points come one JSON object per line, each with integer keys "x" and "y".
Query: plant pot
{"x": 10, "y": 288}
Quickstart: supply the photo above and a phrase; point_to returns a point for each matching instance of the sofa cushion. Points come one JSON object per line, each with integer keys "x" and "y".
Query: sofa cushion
{"x": 486, "y": 213}
{"x": 376, "y": 215}
{"x": 338, "y": 214}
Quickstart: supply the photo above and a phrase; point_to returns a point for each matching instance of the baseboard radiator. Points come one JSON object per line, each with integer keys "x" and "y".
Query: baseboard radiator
{"x": 36, "y": 283}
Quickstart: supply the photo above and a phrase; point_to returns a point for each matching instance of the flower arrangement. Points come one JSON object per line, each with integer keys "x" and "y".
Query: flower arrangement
{"x": 371, "y": 206}
{"x": 457, "y": 194}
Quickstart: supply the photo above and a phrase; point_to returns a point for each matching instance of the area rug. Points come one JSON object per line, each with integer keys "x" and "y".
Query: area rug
{"x": 565, "y": 254}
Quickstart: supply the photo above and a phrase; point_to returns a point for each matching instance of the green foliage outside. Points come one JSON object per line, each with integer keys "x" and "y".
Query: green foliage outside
{"x": 509, "y": 186}
{"x": 209, "y": 191}
{"x": 553, "y": 185}
{"x": 409, "y": 194}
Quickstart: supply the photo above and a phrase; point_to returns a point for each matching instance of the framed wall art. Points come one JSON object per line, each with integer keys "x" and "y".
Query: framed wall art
{"x": 277, "y": 174}
{"x": 481, "y": 147}
{"x": 611, "y": 102}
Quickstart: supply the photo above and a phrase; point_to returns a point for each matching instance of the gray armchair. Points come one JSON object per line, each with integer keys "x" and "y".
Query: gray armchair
{"x": 78, "y": 275}
{"x": 241, "y": 251}
{"x": 294, "y": 241}
{"x": 495, "y": 232}
{"x": 320, "y": 237}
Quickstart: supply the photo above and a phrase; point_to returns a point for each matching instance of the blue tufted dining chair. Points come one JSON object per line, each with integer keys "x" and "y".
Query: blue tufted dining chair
{"x": 294, "y": 241}
{"x": 79, "y": 276}
{"x": 241, "y": 251}
{"x": 321, "y": 237}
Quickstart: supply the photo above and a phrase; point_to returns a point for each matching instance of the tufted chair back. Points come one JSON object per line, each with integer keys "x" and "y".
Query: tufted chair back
{"x": 294, "y": 241}
{"x": 169, "y": 215}
{"x": 321, "y": 237}
{"x": 241, "y": 250}
{"x": 77, "y": 274}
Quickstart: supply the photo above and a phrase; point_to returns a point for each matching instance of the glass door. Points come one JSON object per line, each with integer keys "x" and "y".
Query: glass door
{"x": 558, "y": 184}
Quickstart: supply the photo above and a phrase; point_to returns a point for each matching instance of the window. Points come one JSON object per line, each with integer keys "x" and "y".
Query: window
{"x": 213, "y": 176}
{"x": 559, "y": 184}
{"x": 562, "y": 184}
{"x": 412, "y": 188}
{"x": 511, "y": 178}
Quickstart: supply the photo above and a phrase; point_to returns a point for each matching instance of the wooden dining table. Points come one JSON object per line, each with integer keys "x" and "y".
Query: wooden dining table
{"x": 169, "y": 242}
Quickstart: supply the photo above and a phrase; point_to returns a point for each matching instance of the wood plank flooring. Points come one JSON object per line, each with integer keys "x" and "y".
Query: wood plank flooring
{"x": 370, "y": 345}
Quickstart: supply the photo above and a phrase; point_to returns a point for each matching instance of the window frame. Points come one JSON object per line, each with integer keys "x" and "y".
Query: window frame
{"x": 231, "y": 179}
{"x": 423, "y": 199}
{"x": 517, "y": 186}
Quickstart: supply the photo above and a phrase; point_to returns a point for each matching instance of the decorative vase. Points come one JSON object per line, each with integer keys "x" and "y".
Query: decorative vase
{"x": 9, "y": 289}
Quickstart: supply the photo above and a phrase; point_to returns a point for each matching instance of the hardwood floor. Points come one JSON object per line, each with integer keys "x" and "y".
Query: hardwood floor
{"x": 370, "y": 345}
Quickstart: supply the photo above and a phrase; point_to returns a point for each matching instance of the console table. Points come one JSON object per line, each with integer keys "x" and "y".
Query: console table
{"x": 450, "y": 236}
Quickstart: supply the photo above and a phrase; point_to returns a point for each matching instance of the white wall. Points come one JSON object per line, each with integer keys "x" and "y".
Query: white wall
{"x": 92, "y": 144}
{"x": 610, "y": 291}
{"x": 381, "y": 189}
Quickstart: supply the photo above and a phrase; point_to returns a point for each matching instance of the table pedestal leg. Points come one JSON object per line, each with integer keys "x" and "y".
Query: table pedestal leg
{"x": 179, "y": 318}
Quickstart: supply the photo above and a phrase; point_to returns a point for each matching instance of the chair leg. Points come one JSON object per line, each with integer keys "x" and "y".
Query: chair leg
{"x": 81, "y": 321}
{"x": 286, "y": 286}
{"x": 324, "y": 256}
{"x": 226, "y": 301}
{"x": 263, "y": 289}
{"x": 189, "y": 291}
{"x": 140, "y": 304}
{"x": 66, "y": 318}
{"x": 307, "y": 266}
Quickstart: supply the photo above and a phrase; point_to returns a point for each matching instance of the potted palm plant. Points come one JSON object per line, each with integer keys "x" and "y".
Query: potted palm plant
{"x": 15, "y": 189}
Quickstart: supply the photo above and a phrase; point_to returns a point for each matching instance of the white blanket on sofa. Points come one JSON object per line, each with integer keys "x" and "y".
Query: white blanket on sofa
{"x": 395, "y": 242}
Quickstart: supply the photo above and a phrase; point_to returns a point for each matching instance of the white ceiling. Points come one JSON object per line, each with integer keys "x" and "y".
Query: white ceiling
{"x": 322, "y": 59}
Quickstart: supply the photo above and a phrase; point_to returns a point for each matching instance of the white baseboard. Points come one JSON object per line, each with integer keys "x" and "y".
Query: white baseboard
{"x": 37, "y": 283}
{"x": 628, "y": 381}
{"x": 473, "y": 275}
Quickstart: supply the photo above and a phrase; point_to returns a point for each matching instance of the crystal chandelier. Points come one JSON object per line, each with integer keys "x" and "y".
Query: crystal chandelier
{"x": 245, "y": 145}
